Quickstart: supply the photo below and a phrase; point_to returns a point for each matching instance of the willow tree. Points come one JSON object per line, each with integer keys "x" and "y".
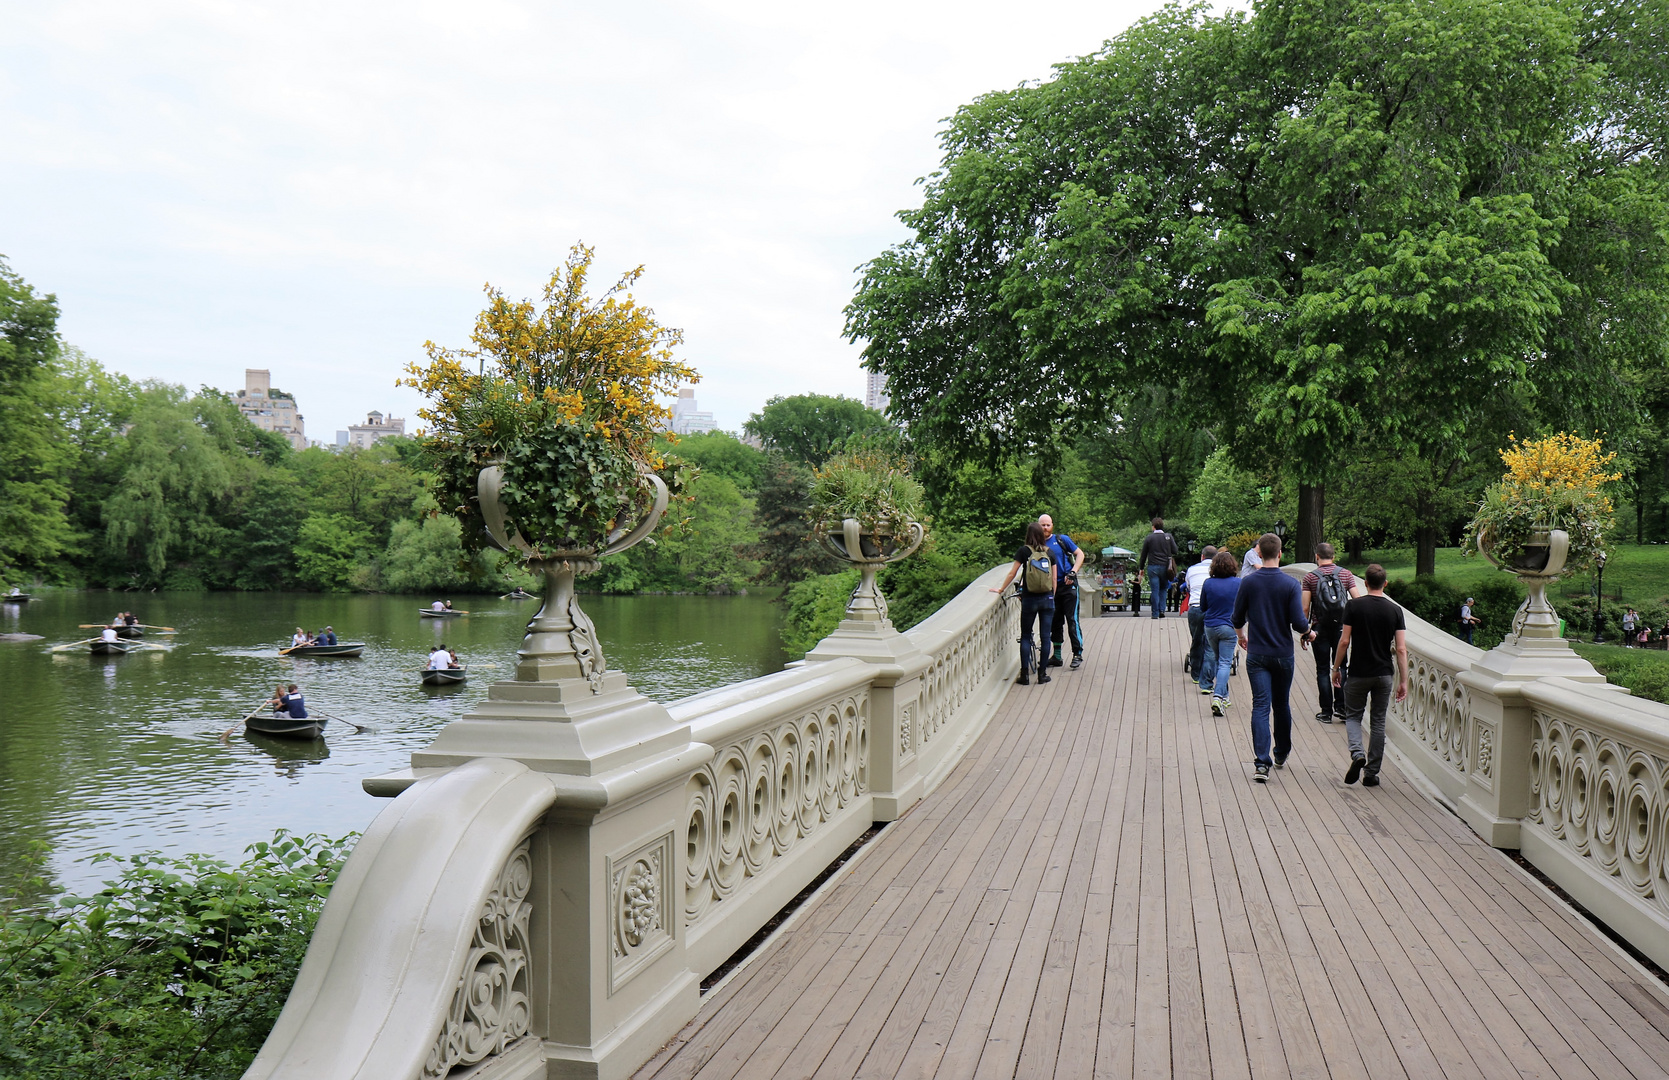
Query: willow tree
{"x": 1331, "y": 222}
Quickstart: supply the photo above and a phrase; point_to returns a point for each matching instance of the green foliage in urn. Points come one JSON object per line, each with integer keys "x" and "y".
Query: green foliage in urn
{"x": 1559, "y": 482}
{"x": 565, "y": 399}
{"x": 873, "y": 487}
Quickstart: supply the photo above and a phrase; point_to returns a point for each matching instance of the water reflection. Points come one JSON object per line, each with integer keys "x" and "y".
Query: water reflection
{"x": 125, "y": 753}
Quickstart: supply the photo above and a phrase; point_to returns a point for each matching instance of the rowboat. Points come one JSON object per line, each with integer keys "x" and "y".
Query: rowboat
{"x": 342, "y": 648}
{"x": 112, "y": 648}
{"x": 431, "y": 613}
{"x": 130, "y": 632}
{"x": 285, "y": 727}
{"x": 448, "y": 676}
{"x": 16, "y": 598}
{"x": 517, "y": 595}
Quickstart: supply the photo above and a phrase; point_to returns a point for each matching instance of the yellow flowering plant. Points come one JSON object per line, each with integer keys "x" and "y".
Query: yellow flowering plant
{"x": 1557, "y": 482}
{"x": 565, "y": 399}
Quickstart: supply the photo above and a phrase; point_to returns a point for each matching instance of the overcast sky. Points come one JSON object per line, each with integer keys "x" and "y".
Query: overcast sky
{"x": 318, "y": 188}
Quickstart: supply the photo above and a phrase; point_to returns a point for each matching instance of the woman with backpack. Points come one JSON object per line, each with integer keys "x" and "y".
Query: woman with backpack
{"x": 1037, "y": 598}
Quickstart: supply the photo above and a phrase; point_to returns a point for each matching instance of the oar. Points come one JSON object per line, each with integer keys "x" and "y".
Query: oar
{"x": 227, "y": 734}
{"x": 74, "y": 644}
{"x": 164, "y": 629}
{"x": 339, "y": 720}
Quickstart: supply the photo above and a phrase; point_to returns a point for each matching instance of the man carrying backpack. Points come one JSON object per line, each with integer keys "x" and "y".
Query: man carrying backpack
{"x": 1037, "y": 599}
{"x": 1069, "y": 559}
{"x": 1327, "y": 589}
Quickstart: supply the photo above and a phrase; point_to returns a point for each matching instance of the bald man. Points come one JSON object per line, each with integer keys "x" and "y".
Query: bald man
{"x": 1069, "y": 558}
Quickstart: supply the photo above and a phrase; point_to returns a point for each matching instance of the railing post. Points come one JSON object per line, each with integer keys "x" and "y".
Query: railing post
{"x": 895, "y": 779}
{"x": 1498, "y": 727}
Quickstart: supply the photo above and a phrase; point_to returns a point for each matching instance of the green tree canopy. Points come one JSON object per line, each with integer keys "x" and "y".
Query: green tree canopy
{"x": 811, "y": 427}
{"x": 1327, "y": 218}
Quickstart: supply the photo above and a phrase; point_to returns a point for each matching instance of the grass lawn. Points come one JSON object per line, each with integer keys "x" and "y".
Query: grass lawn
{"x": 1634, "y": 574}
{"x": 1644, "y": 671}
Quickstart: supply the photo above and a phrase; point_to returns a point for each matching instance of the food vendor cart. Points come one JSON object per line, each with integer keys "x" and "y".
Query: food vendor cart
{"x": 1120, "y": 588}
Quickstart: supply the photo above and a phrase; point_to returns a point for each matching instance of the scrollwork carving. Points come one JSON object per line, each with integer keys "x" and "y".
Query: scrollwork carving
{"x": 641, "y": 924}
{"x": 489, "y": 1009}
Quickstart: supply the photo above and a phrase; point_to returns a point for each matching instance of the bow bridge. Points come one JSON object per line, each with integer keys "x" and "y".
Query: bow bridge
{"x": 1076, "y": 879}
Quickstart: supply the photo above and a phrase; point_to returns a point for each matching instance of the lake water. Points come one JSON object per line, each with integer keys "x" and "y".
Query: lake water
{"x": 127, "y": 753}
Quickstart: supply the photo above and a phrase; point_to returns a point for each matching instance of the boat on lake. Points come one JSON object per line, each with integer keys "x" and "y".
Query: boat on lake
{"x": 16, "y": 598}
{"x": 284, "y": 726}
{"x": 341, "y": 648}
{"x": 446, "y": 676}
{"x": 445, "y": 613}
{"x": 119, "y": 647}
{"x": 519, "y": 594}
{"x": 130, "y": 632}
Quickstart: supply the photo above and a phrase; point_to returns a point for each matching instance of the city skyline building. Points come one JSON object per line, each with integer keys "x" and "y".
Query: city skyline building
{"x": 269, "y": 409}
{"x": 377, "y": 426}
{"x": 875, "y": 394}
{"x": 687, "y": 417}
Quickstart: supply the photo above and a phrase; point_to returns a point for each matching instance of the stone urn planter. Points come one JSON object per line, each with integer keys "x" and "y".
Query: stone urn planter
{"x": 1540, "y": 562}
{"x": 868, "y": 550}
{"x": 561, "y": 641}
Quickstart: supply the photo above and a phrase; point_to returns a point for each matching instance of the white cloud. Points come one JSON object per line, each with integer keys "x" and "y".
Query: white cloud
{"x": 318, "y": 188}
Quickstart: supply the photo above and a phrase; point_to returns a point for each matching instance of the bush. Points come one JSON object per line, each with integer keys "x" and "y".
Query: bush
{"x": 1432, "y": 599}
{"x": 923, "y": 583}
{"x": 176, "y": 970}
{"x": 815, "y": 607}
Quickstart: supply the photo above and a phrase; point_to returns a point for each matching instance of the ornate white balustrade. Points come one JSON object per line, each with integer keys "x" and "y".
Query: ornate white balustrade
{"x": 1536, "y": 752}
{"x": 563, "y": 866}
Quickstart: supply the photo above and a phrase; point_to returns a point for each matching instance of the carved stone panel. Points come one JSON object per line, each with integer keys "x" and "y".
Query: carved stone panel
{"x": 1483, "y": 761}
{"x": 489, "y": 1009}
{"x": 641, "y": 914}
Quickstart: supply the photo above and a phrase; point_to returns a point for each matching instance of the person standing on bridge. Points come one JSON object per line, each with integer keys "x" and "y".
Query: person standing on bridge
{"x": 1069, "y": 559}
{"x": 1374, "y": 630}
{"x": 1037, "y": 599}
{"x": 1158, "y": 558}
{"x": 1267, "y": 609}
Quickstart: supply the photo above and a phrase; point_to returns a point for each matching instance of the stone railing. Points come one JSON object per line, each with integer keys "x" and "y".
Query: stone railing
{"x": 562, "y": 867}
{"x": 1538, "y": 753}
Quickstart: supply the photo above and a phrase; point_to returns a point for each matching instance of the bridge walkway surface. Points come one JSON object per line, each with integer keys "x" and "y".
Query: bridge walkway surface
{"x": 1099, "y": 889}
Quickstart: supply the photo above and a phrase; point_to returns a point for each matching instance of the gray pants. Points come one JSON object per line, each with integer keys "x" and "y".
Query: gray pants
{"x": 1358, "y": 690}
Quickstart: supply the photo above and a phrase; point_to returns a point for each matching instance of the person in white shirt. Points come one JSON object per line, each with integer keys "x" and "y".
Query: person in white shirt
{"x": 1252, "y": 562}
{"x": 440, "y": 659}
{"x": 1194, "y": 579}
{"x": 437, "y": 606}
{"x": 109, "y": 634}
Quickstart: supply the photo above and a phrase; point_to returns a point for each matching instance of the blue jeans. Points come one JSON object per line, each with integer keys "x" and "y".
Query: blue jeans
{"x": 1218, "y": 659}
{"x": 1271, "y": 679}
{"x": 1156, "y": 589}
{"x": 1038, "y": 608}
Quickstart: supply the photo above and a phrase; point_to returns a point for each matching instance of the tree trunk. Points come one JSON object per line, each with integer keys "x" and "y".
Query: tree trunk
{"x": 1355, "y": 544}
{"x": 1425, "y": 538}
{"x": 1307, "y": 534}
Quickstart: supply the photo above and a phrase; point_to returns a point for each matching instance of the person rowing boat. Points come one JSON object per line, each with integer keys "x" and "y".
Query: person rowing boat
{"x": 441, "y": 659}
{"x": 289, "y": 702}
{"x": 300, "y": 637}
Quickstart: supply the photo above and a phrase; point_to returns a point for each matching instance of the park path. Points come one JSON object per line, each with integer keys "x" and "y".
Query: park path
{"x": 1099, "y": 890}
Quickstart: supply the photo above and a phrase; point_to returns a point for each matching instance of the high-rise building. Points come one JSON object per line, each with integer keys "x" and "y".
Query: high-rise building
{"x": 269, "y": 409}
{"x": 687, "y": 419}
{"x": 875, "y": 393}
{"x": 376, "y": 426}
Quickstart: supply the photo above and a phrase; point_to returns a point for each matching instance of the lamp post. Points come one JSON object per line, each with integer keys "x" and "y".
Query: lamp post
{"x": 1281, "y": 533}
{"x": 1599, "y": 598}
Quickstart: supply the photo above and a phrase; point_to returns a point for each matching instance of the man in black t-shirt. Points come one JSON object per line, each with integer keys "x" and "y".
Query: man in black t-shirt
{"x": 1158, "y": 549}
{"x": 1375, "y": 640}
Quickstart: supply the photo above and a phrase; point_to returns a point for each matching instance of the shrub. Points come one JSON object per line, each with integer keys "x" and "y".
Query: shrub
{"x": 177, "y": 969}
{"x": 923, "y": 583}
{"x": 1432, "y": 599}
{"x": 815, "y": 606}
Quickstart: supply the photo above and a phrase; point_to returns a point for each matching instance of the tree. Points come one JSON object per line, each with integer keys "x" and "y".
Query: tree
{"x": 34, "y": 526}
{"x": 1226, "y": 500}
{"x": 1337, "y": 217}
{"x": 425, "y": 555}
{"x": 329, "y": 549}
{"x": 786, "y": 551}
{"x": 719, "y": 453}
{"x": 811, "y": 427}
{"x": 1154, "y": 447}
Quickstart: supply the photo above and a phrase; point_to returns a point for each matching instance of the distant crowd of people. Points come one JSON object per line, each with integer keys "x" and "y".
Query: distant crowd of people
{"x": 1358, "y": 634}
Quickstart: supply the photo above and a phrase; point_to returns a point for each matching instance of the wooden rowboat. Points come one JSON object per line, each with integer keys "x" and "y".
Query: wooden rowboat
{"x": 130, "y": 632}
{"x": 112, "y": 648}
{"x": 284, "y": 727}
{"x": 431, "y": 613}
{"x": 16, "y": 598}
{"x": 518, "y": 596}
{"x": 444, "y": 676}
{"x": 341, "y": 648}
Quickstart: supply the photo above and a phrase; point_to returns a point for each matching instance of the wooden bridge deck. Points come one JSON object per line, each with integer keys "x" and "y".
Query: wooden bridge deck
{"x": 1100, "y": 890}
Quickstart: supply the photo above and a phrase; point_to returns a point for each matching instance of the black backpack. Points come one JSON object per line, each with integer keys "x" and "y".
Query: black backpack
{"x": 1327, "y": 607}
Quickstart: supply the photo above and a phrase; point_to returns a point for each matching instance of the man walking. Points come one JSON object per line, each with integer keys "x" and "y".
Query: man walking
{"x": 1374, "y": 632}
{"x": 1467, "y": 621}
{"x": 1069, "y": 559}
{"x": 1327, "y": 589}
{"x": 1267, "y": 610}
{"x": 1194, "y": 580}
{"x": 1158, "y": 555}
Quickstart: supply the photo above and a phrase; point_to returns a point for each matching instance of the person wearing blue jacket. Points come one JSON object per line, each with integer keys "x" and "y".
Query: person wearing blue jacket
{"x": 1267, "y": 610}
{"x": 1216, "y": 605}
